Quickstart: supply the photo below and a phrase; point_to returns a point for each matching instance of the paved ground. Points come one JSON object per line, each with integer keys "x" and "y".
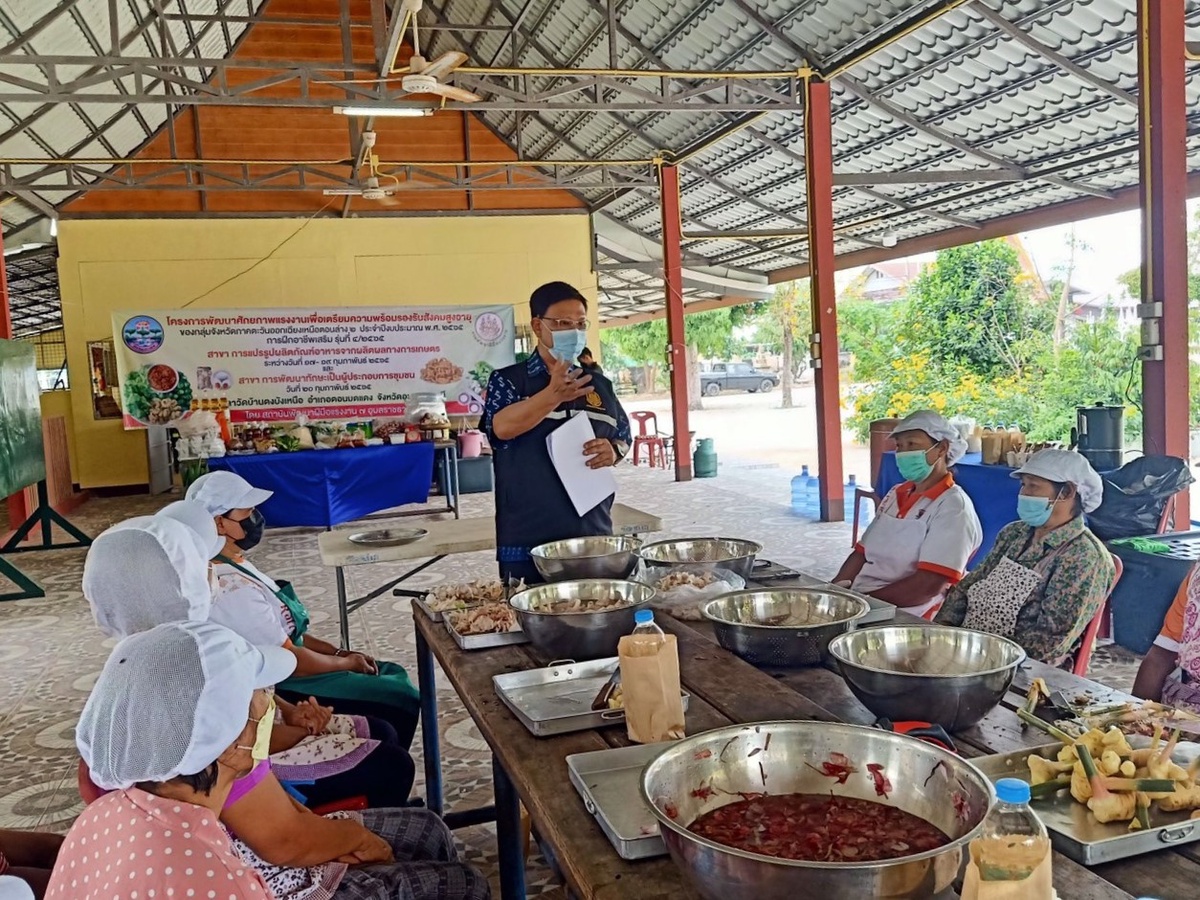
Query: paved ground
{"x": 50, "y": 650}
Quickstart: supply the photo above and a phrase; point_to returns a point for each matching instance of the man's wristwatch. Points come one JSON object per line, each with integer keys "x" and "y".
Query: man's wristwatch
{"x": 620, "y": 448}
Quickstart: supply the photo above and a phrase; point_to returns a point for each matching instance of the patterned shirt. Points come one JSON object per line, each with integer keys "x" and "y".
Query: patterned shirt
{"x": 130, "y": 845}
{"x": 501, "y": 393}
{"x": 1075, "y": 583}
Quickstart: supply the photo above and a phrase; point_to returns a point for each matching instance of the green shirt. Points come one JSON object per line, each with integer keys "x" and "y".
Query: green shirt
{"x": 1074, "y": 585}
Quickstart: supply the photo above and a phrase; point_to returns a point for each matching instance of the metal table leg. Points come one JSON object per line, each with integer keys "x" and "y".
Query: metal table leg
{"x": 343, "y": 607}
{"x": 508, "y": 835}
{"x": 455, "y": 490}
{"x": 430, "y": 740}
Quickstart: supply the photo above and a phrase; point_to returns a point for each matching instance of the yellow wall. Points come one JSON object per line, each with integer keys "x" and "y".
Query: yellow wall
{"x": 164, "y": 264}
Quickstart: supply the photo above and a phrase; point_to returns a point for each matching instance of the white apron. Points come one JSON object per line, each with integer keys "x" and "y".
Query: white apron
{"x": 893, "y": 549}
{"x": 994, "y": 603}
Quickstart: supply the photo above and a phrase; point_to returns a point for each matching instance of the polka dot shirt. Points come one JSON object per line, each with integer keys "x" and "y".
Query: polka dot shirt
{"x": 130, "y": 845}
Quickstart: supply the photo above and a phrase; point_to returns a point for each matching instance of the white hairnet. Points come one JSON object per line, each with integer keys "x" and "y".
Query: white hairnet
{"x": 171, "y": 700}
{"x": 1067, "y": 467}
{"x": 936, "y": 427}
{"x": 144, "y": 572}
{"x": 219, "y": 492}
{"x": 209, "y": 542}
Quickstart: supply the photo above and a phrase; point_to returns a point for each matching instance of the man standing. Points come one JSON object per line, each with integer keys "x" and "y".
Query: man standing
{"x": 527, "y": 401}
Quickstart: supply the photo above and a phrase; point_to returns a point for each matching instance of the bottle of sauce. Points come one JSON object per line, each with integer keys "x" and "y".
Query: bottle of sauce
{"x": 1011, "y": 857}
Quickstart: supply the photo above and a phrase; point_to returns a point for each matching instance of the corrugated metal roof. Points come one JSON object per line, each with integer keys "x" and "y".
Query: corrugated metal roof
{"x": 959, "y": 92}
{"x": 83, "y": 29}
{"x": 970, "y": 89}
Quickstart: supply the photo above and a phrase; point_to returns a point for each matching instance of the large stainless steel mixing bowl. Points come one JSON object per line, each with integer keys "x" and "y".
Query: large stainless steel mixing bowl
{"x": 603, "y": 556}
{"x": 701, "y": 773}
{"x": 928, "y": 673}
{"x": 783, "y": 627}
{"x": 701, "y": 555}
{"x": 579, "y": 635}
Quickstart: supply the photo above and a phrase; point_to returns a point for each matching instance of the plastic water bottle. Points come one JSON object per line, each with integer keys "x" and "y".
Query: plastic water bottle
{"x": 848, "y": 501}
{"x": 800, "y": 493}
{"x": 645, "y": 626}
{"x": 812, "y": 498}
{"x": 1012, "y": 844}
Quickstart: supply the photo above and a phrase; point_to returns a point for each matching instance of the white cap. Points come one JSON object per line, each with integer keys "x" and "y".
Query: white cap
{"x": 936, "y": 427}
{"x": 209, "y": 541}
{"x": 171, "y": 700}
{"x": 1069, "y": 467}
{"x": 219, "y": 492}
{"x": 143, "y": 572}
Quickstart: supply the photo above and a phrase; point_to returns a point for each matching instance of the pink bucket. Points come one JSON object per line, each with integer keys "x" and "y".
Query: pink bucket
{"x": 470, "y": 444}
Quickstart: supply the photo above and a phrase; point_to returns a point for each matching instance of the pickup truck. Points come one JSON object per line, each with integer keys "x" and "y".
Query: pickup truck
{"x": 736, "y": 376}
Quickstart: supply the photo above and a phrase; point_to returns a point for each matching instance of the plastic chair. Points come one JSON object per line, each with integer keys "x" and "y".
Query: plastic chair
{"x": 653, "y": 440}
{"x": 1084, "y": 656}
{"x": 669, "y": 441}
{"x": 90, "y": 793}
{"x": 881, "y": 442}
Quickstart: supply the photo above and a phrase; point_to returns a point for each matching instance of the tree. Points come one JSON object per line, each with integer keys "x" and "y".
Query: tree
{"x": 643, "y": 344}
{"x": 868, "y": 332}
{"x": 969, "y": 309}
{"x": 1074, "y": 245}
{"x": 784, "y": 312}
{"x": 707, "y": 334}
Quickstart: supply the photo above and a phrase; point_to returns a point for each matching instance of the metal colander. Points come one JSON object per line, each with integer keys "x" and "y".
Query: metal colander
{"x": 784, "y": 628}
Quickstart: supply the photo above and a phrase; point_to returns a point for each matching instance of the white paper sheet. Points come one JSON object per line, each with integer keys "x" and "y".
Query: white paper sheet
{"x": 586, "y": 487}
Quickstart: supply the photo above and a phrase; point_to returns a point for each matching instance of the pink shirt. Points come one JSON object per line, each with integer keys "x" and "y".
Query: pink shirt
{"x": 131, "y": 845}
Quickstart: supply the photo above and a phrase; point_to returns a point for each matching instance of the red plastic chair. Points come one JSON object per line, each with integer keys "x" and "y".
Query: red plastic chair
{"x": 653, "y": 440}
{"x": 90, "y": 793}
{"x": 1084, "y": 657}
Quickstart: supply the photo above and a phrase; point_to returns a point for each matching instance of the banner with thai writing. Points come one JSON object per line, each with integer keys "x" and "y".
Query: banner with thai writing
{"x": 343, "y": 363}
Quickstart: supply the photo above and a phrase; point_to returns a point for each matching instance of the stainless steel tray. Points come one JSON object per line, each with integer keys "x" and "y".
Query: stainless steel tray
{"x": 437, "y": 615}
{"x": 387, "y": 537}
{"x": 558, "y": 699}
{"x": 608, "y": 781}
{"x": 1073, "y": 830}
{"x": 486, "y": 641}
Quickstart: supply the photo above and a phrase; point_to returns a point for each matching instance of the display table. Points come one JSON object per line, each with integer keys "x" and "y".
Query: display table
{"x": 443, "y": 539}
{"x": 992, "y": 489}
{"x": 324, "y": 488}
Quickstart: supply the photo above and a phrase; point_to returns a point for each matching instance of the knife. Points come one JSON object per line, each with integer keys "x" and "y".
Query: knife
{"x": 606, "y": 692}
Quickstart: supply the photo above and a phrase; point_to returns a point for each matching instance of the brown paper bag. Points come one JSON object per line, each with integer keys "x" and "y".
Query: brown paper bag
{"x": 650, "y": 687}
{"x": 990, "y": 855}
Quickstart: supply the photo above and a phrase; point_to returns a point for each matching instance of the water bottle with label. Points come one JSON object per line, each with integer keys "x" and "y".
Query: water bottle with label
{"x": 1012, "y": 850}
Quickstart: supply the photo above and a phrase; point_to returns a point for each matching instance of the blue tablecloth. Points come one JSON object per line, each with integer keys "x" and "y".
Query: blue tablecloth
{"x": 328, "y": 487}
{"x": 992, "y": 489}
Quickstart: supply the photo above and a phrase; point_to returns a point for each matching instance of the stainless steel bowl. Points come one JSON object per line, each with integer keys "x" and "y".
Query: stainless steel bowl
{"x": 579, "y": 635}
{"x": 701, "y": 555}
{"x": 783, "y": 627}
{"x": 603, "y": 556}
{"x": 931, "y": 673}
{"x": 700, "y": 773}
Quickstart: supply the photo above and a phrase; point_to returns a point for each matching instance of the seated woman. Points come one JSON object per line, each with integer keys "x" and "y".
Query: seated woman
{"x": 147, "y": 571}
{"x": 1170, "y": 672}
{"x": 177, "y": 715}
{"x": 925, "y": 531}
{"x": 353, "y": 681}
{"x": 1047, "y": 574}
{"x": 27, "y": 856}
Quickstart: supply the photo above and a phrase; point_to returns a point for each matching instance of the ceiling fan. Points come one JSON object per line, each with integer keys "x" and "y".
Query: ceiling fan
{"x": 369, "y": 188}
{"x": 424, "y": 76}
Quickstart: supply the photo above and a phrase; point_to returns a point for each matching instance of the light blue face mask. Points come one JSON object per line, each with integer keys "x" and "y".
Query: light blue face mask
{"x": 568, "y": 345}
{"x": 1034, "y": 511}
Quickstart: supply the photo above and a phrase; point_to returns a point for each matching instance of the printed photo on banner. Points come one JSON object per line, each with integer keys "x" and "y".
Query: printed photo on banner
{"x": 269, "y": 365}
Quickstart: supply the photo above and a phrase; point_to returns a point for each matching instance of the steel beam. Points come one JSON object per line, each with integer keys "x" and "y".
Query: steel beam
{"x": 1163, "y": 157}
{"x": 818, "y": 150}
{"x": 676, "y": 337}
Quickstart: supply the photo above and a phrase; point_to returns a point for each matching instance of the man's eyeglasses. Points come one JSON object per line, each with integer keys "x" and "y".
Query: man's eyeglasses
{"x": 566, "y": 324}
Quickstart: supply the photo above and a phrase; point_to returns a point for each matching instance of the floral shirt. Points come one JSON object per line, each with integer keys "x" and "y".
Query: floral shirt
{"x": 1075, "y": 583}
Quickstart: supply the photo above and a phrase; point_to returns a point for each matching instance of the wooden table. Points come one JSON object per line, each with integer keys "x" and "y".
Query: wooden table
{"x": 724, "y": 690}
{"x": 444, "y": 538}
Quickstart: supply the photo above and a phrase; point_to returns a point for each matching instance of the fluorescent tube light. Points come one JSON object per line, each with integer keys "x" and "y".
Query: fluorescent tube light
{"x": 412, "y": 112}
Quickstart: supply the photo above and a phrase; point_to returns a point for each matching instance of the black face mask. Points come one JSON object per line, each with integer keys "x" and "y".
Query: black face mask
{"x": 253, "y": 526}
